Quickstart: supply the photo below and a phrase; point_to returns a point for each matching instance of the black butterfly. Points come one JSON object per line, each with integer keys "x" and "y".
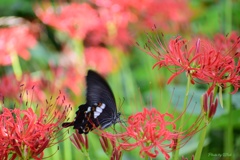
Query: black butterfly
{"x": 100, "y": 109}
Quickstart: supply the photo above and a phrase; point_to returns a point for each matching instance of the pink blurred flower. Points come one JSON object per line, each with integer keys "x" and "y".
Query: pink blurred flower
{"x": 16, "y": 39}
{"x": 75, "y": 19}
{"x": 25, "y": 133}
{"x": 94, "y": 25}
{"x": 229, "y": 44}
{"x": 100, "y": 59}
{"x": 10, "y": 86}
{"x": 114, "y": 23}
{"x": 174, "y": 15}
{"x": 68, "y": 77}
{"x": 169, "y": 15}
{"x": 40, "y": 87}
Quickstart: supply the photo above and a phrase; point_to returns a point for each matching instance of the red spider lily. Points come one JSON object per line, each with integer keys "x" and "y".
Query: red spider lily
{"x": 110, "y": 146}
{"x": 100, "y": 59}
{"x": 209, "y": 105}
{"x": 199, "y": 59}
{"x": 177, "y": 54}
{"x": 80, "y": 141}
{"x": 26, "y": 133}
{"x": 155, "y": 133}
{"x": 218, "y": 67}
{"x": 13, "y": 41}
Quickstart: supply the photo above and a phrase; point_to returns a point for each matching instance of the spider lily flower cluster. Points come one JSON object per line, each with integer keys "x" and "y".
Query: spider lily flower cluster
{"x": 25, "y": 133}
{"x": 154, "y": 133}
{"x": 200, "y": 59}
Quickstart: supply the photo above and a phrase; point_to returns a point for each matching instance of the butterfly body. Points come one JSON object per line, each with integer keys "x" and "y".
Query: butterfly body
{"x": 100, "y": 109}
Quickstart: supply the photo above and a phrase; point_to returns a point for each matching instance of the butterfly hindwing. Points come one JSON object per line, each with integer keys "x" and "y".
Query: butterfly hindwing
{"x": 83, "y": 121}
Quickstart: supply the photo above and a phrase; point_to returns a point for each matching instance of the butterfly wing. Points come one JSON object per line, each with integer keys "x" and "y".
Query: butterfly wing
{"x": 99, "y": 94}
{"x": 99, "y": 91}
{"x": 100, "y": 108}
{"x": 83, "y": 121}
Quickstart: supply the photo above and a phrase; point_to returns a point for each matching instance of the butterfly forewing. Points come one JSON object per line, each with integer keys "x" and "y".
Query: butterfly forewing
{"x": 98, "y": 91}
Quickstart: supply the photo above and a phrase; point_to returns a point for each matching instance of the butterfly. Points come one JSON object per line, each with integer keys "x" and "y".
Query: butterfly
{"x": 100, "y": 109}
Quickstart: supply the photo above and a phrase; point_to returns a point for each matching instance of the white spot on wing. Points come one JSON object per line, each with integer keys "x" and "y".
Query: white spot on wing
{"x": 88, "y": 110}
{"x": 98, "y": 109}
{"x": 96, "y": 114}
{"x": 103, "y": 106}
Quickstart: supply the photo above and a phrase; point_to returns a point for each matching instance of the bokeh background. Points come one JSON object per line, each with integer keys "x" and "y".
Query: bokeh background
{"x": 52, "y": 44}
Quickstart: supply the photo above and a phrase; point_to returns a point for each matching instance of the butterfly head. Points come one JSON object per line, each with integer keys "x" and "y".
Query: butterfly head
{"x": 117, "y": 118}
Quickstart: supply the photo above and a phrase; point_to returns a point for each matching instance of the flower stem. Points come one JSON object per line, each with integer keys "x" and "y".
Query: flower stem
{"x": 16, "y": 65}
{"x": 228, "y": 16}
{"x": 87, "y": 155}
{"x": 200, "y": 144}
{"x": 176, "y": 153}
{"x": 228, "y": 138}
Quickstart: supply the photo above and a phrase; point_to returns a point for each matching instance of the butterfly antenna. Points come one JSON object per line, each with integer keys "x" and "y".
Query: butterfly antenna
{"x": 124, "y": 122}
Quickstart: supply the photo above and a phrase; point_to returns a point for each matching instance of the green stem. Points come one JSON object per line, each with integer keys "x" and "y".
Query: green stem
{"x": 87, "y": 155}
{"x": 146, "y": 157}
{"x": 176, "y": 153}
{"x": 228, "y": 16}
{"x": 201, "y": 144}
{"x": 228, "y": 132}
{"x": 228, "y": 138}
{"x": 78, "y": 47}
{"x": 16, "y": 65}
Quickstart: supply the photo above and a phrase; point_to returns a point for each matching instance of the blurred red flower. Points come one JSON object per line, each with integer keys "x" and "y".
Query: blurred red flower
{"x": 16, "y": 40}
{"x": 100, "y": 59}
{"x": 229, "y": 44}
{"x": 10, "y": 86}
{"x": 169, "y": 15}
{"x": 67, "y": 77}
{"x": 106, "y": 25}
{"x": 75, "y": 19}
{"x": 25, "y": 133}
